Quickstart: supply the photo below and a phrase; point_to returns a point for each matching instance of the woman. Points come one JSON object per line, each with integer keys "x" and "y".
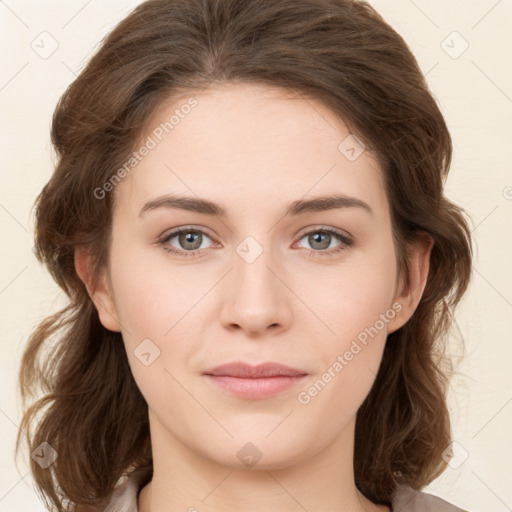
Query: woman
{"x": 248, "y": 217}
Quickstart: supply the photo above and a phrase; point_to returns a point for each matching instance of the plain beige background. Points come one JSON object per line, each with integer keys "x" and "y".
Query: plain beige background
{"x": 464, "y": 49}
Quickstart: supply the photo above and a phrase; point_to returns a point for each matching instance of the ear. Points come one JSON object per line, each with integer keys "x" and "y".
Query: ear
{"x": 99, "y": 289}
{"x": 409, "y": 296}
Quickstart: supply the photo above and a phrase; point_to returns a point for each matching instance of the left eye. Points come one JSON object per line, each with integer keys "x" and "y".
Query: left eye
{"x": 321, "y": 239}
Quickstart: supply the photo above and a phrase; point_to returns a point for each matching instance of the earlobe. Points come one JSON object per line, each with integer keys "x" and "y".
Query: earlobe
{"x": 98, "y": 289}
{"x": 410, "y": 296}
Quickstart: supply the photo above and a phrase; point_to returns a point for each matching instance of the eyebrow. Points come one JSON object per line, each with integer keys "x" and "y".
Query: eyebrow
{"x": 301, "y": 206}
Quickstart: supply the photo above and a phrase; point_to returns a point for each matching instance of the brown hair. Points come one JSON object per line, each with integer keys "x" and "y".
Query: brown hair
{"x": 339, "y": 52}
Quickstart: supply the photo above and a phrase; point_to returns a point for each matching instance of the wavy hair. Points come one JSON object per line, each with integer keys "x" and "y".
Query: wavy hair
{"x": 75, "y": 373}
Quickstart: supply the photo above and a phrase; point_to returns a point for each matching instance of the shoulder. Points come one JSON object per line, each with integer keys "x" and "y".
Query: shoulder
{"x": 407, "y": 499}
{"x": 124, "y": 497}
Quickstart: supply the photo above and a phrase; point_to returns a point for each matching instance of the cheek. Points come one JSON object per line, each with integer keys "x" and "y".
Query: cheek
{"x": 156, "y": 305}
{"x": 151, "y": 294}
{"x": 356, "y": 306}
{"x": 348, "y": 360}
{"x": 353, "y": 297}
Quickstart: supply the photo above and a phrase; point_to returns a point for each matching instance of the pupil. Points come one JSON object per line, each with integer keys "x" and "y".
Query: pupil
{"x": 189, "y": 238}
{"x": 321, "y": 238}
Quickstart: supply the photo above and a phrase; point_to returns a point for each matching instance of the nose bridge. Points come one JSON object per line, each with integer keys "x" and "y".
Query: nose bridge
{"x": 257, "y": 298}
{"x": 255, "y": 283}
{"x": 252, "y": 268}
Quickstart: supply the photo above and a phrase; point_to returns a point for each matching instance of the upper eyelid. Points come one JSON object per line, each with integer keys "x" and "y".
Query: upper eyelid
{"x": 321, "y": 227}
{"x": 176, "y": 231}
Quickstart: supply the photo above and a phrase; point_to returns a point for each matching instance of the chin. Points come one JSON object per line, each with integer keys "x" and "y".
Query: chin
{"x": 257, "y": 453}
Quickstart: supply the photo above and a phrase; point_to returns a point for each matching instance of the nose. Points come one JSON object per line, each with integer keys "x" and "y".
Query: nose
{"x": 256, "y": 298}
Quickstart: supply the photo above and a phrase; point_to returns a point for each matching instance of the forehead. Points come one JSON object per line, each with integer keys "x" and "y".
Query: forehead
{"x": 241, "y": 144}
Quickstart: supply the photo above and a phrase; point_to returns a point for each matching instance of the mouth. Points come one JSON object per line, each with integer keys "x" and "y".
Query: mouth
{"x": 255, "y": 382}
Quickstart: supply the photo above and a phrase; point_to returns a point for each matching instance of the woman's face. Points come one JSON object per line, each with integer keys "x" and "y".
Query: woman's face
{"x": 253, "y": 284}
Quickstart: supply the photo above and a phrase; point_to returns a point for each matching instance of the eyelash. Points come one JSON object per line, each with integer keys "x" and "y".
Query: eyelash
{"x": 345, "y": 240}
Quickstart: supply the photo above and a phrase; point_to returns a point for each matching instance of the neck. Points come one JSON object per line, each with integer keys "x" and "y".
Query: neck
{"x": 186, "y": 481}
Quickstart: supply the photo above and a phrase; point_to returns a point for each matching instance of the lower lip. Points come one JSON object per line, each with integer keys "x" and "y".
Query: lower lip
{"x": 255, "y": 388}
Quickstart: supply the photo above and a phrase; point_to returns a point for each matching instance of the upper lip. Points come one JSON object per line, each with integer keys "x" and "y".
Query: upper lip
{"x": 244, "y": 370}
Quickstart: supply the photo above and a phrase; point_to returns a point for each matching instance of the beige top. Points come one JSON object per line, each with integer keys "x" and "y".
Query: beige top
{"x": 124, "y": 498}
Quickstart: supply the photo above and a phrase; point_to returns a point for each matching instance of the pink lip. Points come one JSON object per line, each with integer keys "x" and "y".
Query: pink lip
{"x": 254, "y": 382}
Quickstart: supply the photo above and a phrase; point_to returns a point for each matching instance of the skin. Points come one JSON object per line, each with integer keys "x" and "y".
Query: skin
{"x": 252, "y": 150}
